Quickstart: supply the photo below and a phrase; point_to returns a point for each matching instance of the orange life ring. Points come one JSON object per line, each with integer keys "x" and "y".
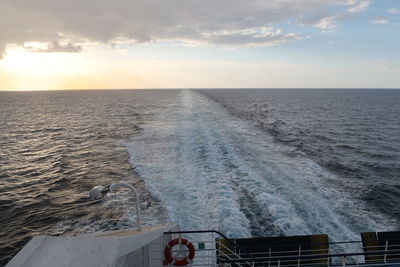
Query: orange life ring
{"x": 179, "y": 261}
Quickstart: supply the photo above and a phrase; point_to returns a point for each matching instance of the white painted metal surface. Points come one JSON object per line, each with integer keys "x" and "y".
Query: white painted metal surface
{"x": 100, "y": 191}
{"x": 114, "y": 187}
{"x": 115, "y": 248}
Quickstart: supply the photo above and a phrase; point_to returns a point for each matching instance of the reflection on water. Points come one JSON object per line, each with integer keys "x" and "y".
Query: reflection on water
{"x": 54, "y": 146}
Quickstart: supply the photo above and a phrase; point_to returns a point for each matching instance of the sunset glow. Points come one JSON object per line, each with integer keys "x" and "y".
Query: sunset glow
{"x": 307, "y": 44}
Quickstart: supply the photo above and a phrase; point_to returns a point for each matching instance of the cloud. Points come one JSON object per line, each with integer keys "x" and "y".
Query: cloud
{"x": 387, "y": 66}
{"x": 253, "y": 37}
{"x": 54, "y": 46}
{"x": 360, "y": 7}
{"x": 223, "y": 22}
{"x": 393, "y": 11}
{"x": 383, "y": 64}
{"x": 331, "y": 22}
{"x": 380, "y": 20}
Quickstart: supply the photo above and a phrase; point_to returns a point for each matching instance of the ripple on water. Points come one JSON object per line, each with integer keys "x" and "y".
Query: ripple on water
{"x": 54, "y": 146}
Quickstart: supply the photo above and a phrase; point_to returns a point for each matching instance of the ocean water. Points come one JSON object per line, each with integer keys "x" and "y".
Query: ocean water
{"x": 245, "y": 162}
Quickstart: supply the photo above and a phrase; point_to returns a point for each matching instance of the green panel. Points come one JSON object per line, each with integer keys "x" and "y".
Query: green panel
{"x": 201, "y": 246}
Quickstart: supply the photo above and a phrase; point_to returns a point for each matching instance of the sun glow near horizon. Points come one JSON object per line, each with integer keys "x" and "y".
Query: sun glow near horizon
{"x": 134, "y": 45}
{"x": 24, "y": 70}
{"x": 31, "y": 71}
{"x": 100, "y": 67}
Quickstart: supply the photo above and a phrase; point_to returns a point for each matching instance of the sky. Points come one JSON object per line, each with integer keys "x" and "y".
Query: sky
{"x": 131, "y": 44}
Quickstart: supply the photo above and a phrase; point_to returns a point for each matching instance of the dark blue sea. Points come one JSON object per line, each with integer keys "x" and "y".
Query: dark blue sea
{"x": 247, "y": 162}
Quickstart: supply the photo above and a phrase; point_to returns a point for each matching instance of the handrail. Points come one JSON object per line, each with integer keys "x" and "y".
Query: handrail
{"x": 233, "y": 253}
{"x": 212, "y": 231}
{"x": 224, "y": 255}
{"x": 302, "y": 243}
{"x": 113, "y": 189}
{"x": 374, "y": 253}
{"x": 316, "y": 244}
{"x": 246, "y": 256}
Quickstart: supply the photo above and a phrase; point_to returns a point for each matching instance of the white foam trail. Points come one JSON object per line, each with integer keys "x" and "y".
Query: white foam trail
{"x": 214, "y": 171}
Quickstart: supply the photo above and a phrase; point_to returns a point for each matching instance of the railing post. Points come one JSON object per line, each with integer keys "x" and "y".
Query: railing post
{"x": 269, "y": 257}
{"x": 343, "y": 261}
{"x": 213, "y": 251}
{"x": 162, "y": 249}
{"x": 386, "y": 247}
{"x": 180, "y": 242}
{"x": 298, "y": 260}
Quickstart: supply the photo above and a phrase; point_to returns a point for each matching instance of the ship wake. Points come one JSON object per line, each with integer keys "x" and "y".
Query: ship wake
{"x": 211, "y": 170}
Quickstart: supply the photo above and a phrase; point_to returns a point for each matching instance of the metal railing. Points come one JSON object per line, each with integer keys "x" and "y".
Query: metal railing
{"x": 210, "y": 251}
{"x": 367, "y": 256}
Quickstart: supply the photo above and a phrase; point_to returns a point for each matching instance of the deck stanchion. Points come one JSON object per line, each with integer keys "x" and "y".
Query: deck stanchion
{"x": 298, "y": 260}
{"x": 269, "y": 257}
{"x": 386, "y": 247}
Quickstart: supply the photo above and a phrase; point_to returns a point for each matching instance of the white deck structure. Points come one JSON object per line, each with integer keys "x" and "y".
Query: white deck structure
{"x": 115, "y": 248}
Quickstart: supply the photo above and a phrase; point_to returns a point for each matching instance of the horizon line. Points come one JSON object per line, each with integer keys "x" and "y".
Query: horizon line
{"x": 205, "y": 88}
